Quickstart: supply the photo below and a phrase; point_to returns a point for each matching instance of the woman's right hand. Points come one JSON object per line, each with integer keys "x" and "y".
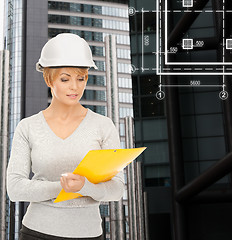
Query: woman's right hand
{"x": 72, "y": 182}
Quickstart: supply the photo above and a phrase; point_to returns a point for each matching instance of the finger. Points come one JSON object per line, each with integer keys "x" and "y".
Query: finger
{"x": 64, "y": 174}
{"x": 77, "y": 176}
{"x": 68, "y": 175}
{"x": 72, "y": 176}
{"x": 66, "y": 184}
{"x": 62, "y": 182}
{"x": 65, "y": 181}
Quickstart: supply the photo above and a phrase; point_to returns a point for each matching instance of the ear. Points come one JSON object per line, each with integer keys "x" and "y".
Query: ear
{"x": 49, "y": 84}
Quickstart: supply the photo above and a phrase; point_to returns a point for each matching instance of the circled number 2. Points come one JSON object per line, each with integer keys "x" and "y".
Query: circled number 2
{"x": 223, "y": 95}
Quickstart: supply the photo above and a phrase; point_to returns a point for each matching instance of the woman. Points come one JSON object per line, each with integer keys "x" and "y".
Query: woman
{"x": 52, "y": 142}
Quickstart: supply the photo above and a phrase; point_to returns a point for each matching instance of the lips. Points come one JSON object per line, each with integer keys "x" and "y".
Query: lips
{"x": 72, "y": 96}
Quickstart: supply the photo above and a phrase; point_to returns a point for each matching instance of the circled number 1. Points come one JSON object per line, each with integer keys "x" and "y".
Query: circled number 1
{"x": 160, "y": 95}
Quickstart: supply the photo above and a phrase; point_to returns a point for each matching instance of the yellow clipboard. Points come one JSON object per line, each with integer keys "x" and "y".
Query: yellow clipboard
{"x": 100, "y": 166}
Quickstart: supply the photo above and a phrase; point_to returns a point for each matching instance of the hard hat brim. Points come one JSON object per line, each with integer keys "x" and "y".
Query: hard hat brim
{"x": 40, "y": 68}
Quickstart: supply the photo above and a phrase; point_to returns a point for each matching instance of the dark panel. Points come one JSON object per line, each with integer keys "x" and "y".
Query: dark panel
{"x": 210, "y": 222}
{"x": 159, "y": 226}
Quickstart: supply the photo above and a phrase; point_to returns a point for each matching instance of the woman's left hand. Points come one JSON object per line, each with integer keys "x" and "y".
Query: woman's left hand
{"x": 72, "y": 182}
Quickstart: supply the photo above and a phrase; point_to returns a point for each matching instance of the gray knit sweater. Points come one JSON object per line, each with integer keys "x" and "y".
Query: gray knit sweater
{"x": 36, "y": 147}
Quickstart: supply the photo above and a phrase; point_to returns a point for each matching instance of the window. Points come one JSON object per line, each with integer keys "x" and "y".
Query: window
{"x": 123, "y": 53}
{"x": 96, "y": 80}
{"x": 97, "y": 51}
{"x": 87, "y": 8}
{"x": 125, "y": 97}
{"x": 100, "y": 65}
{"x": 97, "y": 109}
{"x": 124, "y": 112}
{"x": 97, "y": 23}
{"x": 124, "y": 82}
{"x": 91, "y": 36}
{"x": 97, "y": 9}
{"x": 88, "y": 36}
{"x": 94, "y": 95}
{"x": 157, "y": 176}
{"x": 122, "y": 129}
{"x": 87, "y": 22}
{"x": 124, "y": 68}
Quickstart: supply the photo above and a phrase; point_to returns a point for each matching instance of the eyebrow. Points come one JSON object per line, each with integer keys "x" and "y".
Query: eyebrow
{"x": 66, "y": 74}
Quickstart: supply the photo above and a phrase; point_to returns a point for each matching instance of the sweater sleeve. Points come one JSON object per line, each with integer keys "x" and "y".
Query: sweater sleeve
{"x": 19, "y": 186}
{"x": 113, "y": 189}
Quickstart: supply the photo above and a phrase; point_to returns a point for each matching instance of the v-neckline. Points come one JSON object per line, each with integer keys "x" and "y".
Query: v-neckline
{"x": 67, "y": 138}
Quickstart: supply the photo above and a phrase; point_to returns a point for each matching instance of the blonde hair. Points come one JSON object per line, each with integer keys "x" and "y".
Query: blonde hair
{"x": 50, "y": 73}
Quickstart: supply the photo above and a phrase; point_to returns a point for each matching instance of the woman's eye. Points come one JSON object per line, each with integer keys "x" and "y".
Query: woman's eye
{"x": 81, "y": 79}
{"x": 64, "y": 80}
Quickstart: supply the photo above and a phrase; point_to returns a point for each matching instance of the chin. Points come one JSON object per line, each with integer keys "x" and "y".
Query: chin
{"x": 73, "y": 103}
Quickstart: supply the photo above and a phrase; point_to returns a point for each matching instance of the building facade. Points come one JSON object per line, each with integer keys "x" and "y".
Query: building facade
{"x": 4, "y": 130}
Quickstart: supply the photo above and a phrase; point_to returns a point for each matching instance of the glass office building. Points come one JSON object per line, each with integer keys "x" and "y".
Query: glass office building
{"x": 187, "y": 132}
{"x": 13, "y": 42}
{"x": 28, "y": 27}
{"x": 4, "y": 132}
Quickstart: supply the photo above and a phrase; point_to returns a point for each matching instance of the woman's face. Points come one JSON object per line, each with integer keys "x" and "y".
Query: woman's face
{"x": 67, "y": 86}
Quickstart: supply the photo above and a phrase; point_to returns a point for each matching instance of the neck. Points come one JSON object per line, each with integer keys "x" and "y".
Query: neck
{"x": 65, "y": 112}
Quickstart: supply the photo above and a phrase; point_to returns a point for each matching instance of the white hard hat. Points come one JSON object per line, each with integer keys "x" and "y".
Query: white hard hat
{"x": 66, "y": 49}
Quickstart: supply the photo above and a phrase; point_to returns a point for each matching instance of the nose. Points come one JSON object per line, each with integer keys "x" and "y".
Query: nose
{"x": 73, "y": 84}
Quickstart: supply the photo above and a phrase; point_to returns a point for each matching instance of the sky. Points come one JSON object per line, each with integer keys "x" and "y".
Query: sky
{"x": 1, "y": 23}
